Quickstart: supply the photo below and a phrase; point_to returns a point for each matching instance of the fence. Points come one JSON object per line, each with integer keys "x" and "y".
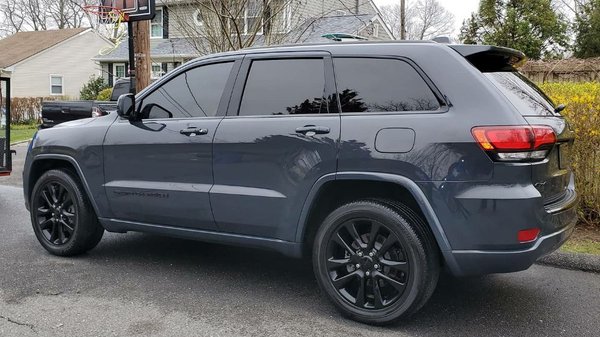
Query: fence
{"x": 566, "y": 70}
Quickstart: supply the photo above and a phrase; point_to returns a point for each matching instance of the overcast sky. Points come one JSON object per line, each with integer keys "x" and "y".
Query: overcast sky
{"x": 461, "y": 9}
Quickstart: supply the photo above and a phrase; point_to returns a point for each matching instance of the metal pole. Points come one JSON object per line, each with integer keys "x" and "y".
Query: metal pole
{"x": 131, "y": 58}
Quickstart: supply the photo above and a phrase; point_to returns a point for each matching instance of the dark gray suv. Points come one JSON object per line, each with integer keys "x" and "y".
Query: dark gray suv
{"x": 385, "y": 162}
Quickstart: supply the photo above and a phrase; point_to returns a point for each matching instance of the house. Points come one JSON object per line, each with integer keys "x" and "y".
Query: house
{"x": 177, "y": 33}
{"x": 51, "y": 62}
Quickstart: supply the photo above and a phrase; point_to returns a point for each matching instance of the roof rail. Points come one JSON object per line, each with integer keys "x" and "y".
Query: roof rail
{"x": 343, "y": 36}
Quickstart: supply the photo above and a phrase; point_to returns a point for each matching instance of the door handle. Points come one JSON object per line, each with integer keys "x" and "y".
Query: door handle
{"x": 193, "y": 131}
{"x": 313, "y": 130}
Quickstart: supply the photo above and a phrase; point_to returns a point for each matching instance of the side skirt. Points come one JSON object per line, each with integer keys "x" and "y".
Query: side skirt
{"x": 291, "y": 249}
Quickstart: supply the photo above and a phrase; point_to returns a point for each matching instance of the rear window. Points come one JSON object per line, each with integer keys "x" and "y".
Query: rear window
{"x": 381, "y": 85}
{"x": 527, "y": 97}
{"x": 120, "y": 88}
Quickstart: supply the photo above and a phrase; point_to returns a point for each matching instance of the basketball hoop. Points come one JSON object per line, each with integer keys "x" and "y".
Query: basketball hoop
{"x": 107, "y": 14}
{"x": 109, "y": 25}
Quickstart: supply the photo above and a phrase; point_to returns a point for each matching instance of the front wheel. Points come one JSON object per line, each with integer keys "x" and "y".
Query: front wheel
{"x": 374, "y": 261}
{"x": 63, "y": 219}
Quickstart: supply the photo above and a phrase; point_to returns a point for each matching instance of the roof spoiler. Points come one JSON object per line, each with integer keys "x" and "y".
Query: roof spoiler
{"x": 491, "y": 58}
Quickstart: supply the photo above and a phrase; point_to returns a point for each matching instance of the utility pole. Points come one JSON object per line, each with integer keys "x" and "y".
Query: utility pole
{"x": 141, "y": 47}
{"x": 402, "y": 19}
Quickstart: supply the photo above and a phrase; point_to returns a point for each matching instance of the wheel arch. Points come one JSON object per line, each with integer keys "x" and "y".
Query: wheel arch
{"x": 45, "y": 162}
{"x": 310, "y": 216}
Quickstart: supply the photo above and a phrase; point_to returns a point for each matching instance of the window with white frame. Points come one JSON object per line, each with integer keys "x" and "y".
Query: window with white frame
{"x": 254, "y": 13}
{"x": 119, "y": 70}
{"x": 375, "y": 29}
{"x": 251, "y": 22}
{"x": 198, "y": 17}
{"x": 56, "y": 85}
{"x": 157, "y": 70}
{"x": 156, "y": 25}
{"x": 282, "y": 15}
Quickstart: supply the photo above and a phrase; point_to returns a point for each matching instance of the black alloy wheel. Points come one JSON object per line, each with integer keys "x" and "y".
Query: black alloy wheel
{"x": 367, "y": 264}
{"x": 62, "y": 216}
{"x": 376, "y": 260}
{"x": 56, "y": 213}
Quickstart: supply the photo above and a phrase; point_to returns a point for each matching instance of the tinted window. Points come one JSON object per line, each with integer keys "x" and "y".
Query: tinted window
{"x": 377, "y": 85}
{"x": 523, "y": 94}
{"x": 120, "y": 88}
{"x": 194, "y": 93}
{"x": 282, "y": 87}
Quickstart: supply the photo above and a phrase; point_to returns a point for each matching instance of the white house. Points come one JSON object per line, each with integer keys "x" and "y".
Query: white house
{"x": 51, "y": 62}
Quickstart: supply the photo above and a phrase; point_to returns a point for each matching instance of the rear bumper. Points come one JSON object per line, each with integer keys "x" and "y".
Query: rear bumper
{"x": 479, "y": 262}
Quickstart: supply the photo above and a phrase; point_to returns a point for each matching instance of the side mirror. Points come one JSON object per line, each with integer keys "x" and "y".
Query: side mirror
{"x": 126, "y": 106}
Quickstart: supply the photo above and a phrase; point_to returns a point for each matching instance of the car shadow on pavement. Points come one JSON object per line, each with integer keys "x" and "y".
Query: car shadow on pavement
{"x": 464, "y": 304}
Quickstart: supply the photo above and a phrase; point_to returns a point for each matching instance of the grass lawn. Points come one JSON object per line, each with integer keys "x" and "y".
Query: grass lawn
{"x": 20, "y": 132}
{"x": 584, "y": 240}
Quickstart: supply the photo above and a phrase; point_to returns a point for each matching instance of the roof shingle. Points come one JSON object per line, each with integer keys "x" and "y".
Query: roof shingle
{"x": 22, "y": 45}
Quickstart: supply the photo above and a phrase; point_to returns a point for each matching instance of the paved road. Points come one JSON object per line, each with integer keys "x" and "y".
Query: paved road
{"x": 136, "y": 284}
{"x": 15, "y": 179}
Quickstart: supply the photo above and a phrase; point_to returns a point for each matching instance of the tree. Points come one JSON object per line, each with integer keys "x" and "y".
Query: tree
{"x": 215, "y": 26}
{"x": 587, "y": 29}
{"x": 425, "y": 19}
{"x": 469, "y": 32}
{"x": 532, "y": 26}
{"x": 92, "y": 88}
{"x": 24, "y": 15}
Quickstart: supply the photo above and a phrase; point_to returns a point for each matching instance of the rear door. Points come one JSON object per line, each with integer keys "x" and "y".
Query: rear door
{"x": 279, "y": 137}
{"x": 553, "y": 177}
{"x": 159, "y": 170}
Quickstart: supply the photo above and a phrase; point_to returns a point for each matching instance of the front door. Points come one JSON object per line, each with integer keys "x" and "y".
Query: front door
{"x": 159, "y": 170}
{"x": 279, "y": 137}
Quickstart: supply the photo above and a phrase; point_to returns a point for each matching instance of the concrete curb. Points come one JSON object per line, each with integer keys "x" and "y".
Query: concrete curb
{"x": 575, "y": 261}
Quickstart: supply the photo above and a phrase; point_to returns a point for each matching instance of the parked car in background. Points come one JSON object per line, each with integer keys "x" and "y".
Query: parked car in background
{"x": 56, "y": 112}
{"x": 383, "y": 162}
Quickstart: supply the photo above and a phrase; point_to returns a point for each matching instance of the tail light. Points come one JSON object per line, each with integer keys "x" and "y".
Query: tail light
{"x": 515, "y": 143}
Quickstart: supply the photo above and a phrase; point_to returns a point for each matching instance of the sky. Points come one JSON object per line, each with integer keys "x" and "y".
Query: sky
{"x": 461, "y": 9}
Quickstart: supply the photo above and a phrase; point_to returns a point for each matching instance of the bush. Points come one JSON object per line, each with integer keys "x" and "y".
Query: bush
{"x": 104, "y": 95}
{"x": 27, "y": 110}
{"x": 92, "y": 88}
{"x": 583, "y": 113}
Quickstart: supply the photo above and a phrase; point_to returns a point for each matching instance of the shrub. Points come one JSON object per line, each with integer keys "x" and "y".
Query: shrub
{"x": 104, "y": 95}
{"x": 583, "y": 113}
{"x": 92, "y": 88}
{"x": 27, "y": 110}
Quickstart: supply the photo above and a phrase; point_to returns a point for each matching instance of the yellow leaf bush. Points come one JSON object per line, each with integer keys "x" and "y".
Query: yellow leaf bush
{"x": 583, "y": 113}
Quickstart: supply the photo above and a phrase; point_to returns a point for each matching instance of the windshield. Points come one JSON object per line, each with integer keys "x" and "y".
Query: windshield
{"x": 527, "y": 97}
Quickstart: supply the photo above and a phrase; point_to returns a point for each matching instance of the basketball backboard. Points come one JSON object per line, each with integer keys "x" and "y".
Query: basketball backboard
{"x": 135, "y": 10}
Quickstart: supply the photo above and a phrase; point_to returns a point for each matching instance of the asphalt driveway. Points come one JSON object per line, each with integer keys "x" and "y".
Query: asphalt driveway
{"x": 136, "y": 284}
{"x": 16, "y": 178}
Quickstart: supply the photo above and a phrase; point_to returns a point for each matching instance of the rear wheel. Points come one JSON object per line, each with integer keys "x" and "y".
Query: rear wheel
{"x": 61, "y": 214}
{"x": 374, "y": 262}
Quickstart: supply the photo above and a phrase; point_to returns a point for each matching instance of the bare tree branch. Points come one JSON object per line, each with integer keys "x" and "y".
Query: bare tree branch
{"x": 425, "y": 19}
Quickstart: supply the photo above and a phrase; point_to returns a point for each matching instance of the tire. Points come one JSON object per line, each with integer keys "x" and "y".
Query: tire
{"x": 62, "y": 217}
{"x": 396, "y": 279}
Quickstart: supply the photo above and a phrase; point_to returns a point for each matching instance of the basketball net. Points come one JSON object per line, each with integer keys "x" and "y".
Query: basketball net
{"x": 109, "y": 24}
